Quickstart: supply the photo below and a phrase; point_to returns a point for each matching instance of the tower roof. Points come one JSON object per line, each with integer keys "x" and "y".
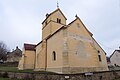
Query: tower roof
{"x": 58, "y": 9}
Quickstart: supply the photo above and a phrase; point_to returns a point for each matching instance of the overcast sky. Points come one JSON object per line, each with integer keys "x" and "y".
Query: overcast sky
{"x": 20, "y": 20}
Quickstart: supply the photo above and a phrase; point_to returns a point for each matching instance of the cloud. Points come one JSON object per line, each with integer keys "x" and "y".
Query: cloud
{"x": 21, "y": 25}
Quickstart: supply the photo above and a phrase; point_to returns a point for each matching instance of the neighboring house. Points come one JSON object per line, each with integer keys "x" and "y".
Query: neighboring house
{"x": 14, "y": 56}
{"x": 65, "y": 48}
{"x": 28, "y": 57}
{"x": 108, "y": 62}
{"x": 115, "y": 58}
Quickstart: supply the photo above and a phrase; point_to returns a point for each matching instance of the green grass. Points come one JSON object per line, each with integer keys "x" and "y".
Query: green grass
{"x": 4, "y": 79}
{"x": 8, "y": 69}
{"x": 13, "y": 69}
{"x": 9, "y": 79}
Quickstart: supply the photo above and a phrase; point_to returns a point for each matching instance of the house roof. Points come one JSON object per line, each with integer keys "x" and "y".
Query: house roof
{"x": 29, "y": 47}
{"x": 118, "y": 50}
{"x": 54, "y": 12}
{"x": 114, "y": 52}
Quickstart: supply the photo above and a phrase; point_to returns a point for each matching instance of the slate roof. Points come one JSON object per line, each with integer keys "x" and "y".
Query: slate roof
{"x": 54, "y": 12}
{"x": 114, "y": 52}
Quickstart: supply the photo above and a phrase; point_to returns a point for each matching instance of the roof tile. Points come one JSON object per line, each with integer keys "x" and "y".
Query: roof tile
{"x": 29, "y": 47}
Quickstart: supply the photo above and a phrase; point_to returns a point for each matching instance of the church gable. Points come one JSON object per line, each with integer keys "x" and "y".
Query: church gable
{"x": 56, "y": 16}
{"x": 77, "y": 28}
{"x": 82, "y": 44}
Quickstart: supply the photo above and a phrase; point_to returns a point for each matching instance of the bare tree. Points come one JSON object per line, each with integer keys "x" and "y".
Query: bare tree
{"x": 3, "y": 51}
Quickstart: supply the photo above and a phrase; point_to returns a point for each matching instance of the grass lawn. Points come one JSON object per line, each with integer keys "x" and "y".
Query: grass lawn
{"x": 13, "y": 69}
{"x": 8, "y": 69}
{"x": 4, "y": 79}
{"x": 9, "y": 79}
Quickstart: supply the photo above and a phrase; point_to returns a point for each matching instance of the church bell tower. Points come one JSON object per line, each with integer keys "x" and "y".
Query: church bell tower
{"x": 53, "y": 22}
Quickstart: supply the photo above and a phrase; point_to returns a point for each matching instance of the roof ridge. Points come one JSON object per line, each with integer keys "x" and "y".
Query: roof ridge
{"x": 54, "y": 12}
{"x": 82, "y": 24}
{"x": 29, "y": 44}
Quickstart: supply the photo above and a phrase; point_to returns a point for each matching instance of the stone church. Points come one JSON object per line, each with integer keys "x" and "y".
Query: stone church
{"x": 65, "y": 48}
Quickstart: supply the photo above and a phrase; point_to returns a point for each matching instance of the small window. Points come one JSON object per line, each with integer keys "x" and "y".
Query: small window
{"x": 78, "y": 25}
{"x": 99, "y": 56}
{"x": 54, "y": 55}
{"x": 98, "y": 51}
{"x": 58, "y": 20}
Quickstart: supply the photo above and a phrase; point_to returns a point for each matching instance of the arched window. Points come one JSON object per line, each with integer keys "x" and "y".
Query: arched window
{"x": 54, "y": 56}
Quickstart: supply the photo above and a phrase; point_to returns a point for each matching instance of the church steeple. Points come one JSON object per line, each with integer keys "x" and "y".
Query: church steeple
{"x": 53, "y": 22}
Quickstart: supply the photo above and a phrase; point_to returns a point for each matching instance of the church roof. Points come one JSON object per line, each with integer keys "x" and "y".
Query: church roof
{"x": 29, "y": 47}
{"x": 39, "y": 43}
{"x": 82, "y": 24}
{"x": 55, "y": 32}
{"x": 66, "y": 27}
{"x": 99, "y": 45}
{"x": 53, "y": 13}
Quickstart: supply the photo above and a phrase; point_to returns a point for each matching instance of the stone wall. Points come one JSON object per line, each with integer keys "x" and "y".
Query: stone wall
{"x": 106, "y": 75}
